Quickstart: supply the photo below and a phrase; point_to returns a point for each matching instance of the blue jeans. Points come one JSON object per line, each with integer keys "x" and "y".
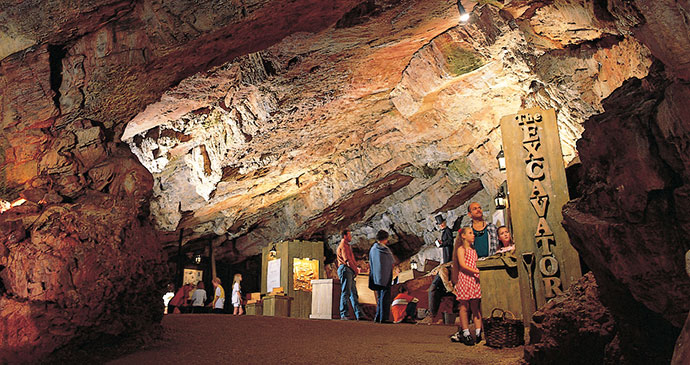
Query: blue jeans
{"x": 348, "y": 289}
{"x": 383, "y": 305}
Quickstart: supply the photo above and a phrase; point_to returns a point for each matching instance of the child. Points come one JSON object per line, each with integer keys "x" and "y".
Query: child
{"x": 469, "y": 292}
{"x": 404, "y": 307}
{"x": 236, "y": 296}
{"x": 218, "y": 296}
{"x": 506, "y": 240}
{"x": 198, "y": 298}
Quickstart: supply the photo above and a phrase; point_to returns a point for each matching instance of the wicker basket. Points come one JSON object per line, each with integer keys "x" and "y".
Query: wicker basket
{"x": 503, "y": 332}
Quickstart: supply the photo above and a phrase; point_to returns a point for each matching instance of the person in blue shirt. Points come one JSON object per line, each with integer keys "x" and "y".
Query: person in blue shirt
{"x": 381, "y": 276}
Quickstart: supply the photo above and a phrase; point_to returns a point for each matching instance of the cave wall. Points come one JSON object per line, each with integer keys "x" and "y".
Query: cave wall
{"x": 629, "y": 225}
{"x": 80, "y": 261}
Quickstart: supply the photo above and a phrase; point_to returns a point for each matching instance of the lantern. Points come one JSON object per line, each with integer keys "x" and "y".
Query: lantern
{"x": 413, "y": 265}
{"x": 500, "y": 199}
{"x": 501, "y": 158}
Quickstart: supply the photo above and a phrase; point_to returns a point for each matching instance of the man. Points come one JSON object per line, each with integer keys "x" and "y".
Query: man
{"x": 437, "y": 290}
{"x": 218, "y": 297}
{"x": 381, "y": 275}
{"x": 440, "y": 287}
{"x": 347, "y": 270}
{"x": 446, "y": 242}
{"x": 485, "y": 234}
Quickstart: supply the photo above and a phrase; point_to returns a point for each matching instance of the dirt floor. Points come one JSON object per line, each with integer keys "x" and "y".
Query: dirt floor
{"x": 226, "y": 339}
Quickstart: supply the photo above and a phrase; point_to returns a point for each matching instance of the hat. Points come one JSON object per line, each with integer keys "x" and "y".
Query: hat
{"x": 439, "y": 219}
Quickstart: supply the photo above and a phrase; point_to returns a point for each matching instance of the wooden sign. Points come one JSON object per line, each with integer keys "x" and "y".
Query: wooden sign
{"x": 538, "y": 189}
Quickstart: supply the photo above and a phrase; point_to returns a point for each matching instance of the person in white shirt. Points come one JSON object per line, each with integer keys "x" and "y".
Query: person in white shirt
{"x": 198, "y": 297}
{"x": 218, "y": 297}
{"x": 237, "y": 295}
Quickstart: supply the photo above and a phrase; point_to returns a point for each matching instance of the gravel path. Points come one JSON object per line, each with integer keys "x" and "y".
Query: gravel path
{"x": 226, "y": 339}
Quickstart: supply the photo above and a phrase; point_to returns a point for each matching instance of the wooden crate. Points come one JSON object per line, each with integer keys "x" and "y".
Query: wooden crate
{"x": 255, "y": 309}
{"x": 325, "y": 299}
{"x": 300, "y": 306}
{"x": 278, "y": 306}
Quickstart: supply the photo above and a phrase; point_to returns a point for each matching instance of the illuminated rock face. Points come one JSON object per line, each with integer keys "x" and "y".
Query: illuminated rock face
{"x": 298, "y": 140}
{"x": 372, "y": 115}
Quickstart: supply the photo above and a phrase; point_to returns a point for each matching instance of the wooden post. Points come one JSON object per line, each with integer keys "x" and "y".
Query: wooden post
{"x": 538, "y": 191}
{"x": 179, "y": 272}
{"x": 213, "y": 259}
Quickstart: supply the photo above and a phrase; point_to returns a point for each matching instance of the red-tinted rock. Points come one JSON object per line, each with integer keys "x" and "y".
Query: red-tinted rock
{"x": 574, "y": 328}
{"x": 629, "y": 226}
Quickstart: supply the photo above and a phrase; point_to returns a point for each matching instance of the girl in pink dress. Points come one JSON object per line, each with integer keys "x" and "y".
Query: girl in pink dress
{"x": 469, "y": 292}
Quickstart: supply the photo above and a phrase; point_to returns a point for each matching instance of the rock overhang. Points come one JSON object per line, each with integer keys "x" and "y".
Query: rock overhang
{"x": 270, "y": 143}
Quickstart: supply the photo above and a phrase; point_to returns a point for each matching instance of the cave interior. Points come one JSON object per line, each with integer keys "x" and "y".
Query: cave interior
{"x": 138, "y": 136}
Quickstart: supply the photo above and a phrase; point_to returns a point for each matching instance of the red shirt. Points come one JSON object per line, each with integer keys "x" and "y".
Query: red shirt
{"x": 399, "y": 306}
{"x": 345, "y": 256}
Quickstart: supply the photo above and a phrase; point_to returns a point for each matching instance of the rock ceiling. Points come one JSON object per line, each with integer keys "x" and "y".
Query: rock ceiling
{"x": 367, "y": 119}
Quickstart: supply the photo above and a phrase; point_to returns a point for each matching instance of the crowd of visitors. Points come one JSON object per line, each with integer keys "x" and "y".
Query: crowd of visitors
{"x": 456, "y": 276}
{"x": 192, "y": 298}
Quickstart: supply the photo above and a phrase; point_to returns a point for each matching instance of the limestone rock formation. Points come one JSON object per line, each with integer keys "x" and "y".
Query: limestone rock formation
{"x": 629, "y": 225}
{"x": 243, "y": 123}
{"x": 304, "y": 138}
{"x": 631, "y": 233}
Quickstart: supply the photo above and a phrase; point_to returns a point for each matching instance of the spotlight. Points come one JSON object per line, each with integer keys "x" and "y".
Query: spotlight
{"x": 464, "y": 15}
{"x": 273, "y": 251}
{"x": 413, "y": 265}
{"x": 197, "y": 259}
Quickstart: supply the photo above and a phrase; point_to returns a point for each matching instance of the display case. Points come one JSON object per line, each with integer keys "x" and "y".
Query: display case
{"x": 304, "y": 270}
{"x": 292, "y": 265}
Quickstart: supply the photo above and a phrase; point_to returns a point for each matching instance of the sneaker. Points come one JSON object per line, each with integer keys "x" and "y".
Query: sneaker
{"x": 456, "y": 337}
{"x": 479, "y": 338}
{"x": 467, "y": 340}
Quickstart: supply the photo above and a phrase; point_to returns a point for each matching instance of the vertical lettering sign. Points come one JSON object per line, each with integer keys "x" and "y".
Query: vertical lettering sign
{"x": 538, "y": 190}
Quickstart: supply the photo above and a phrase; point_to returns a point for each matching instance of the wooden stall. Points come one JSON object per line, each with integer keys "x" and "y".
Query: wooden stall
{"x": 293, "y": 266}
{"x": 366, "y": 295}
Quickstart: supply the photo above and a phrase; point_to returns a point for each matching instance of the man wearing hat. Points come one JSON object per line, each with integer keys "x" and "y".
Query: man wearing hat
{"x": 446, "y": 242}
{"x": 437, "y": 289}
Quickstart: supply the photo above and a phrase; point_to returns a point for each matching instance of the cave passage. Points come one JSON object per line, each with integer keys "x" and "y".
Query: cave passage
{"x": 147, "y": 149}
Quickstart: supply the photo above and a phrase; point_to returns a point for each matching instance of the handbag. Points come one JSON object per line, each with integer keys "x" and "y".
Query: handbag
{"x": 503, "y": 332}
